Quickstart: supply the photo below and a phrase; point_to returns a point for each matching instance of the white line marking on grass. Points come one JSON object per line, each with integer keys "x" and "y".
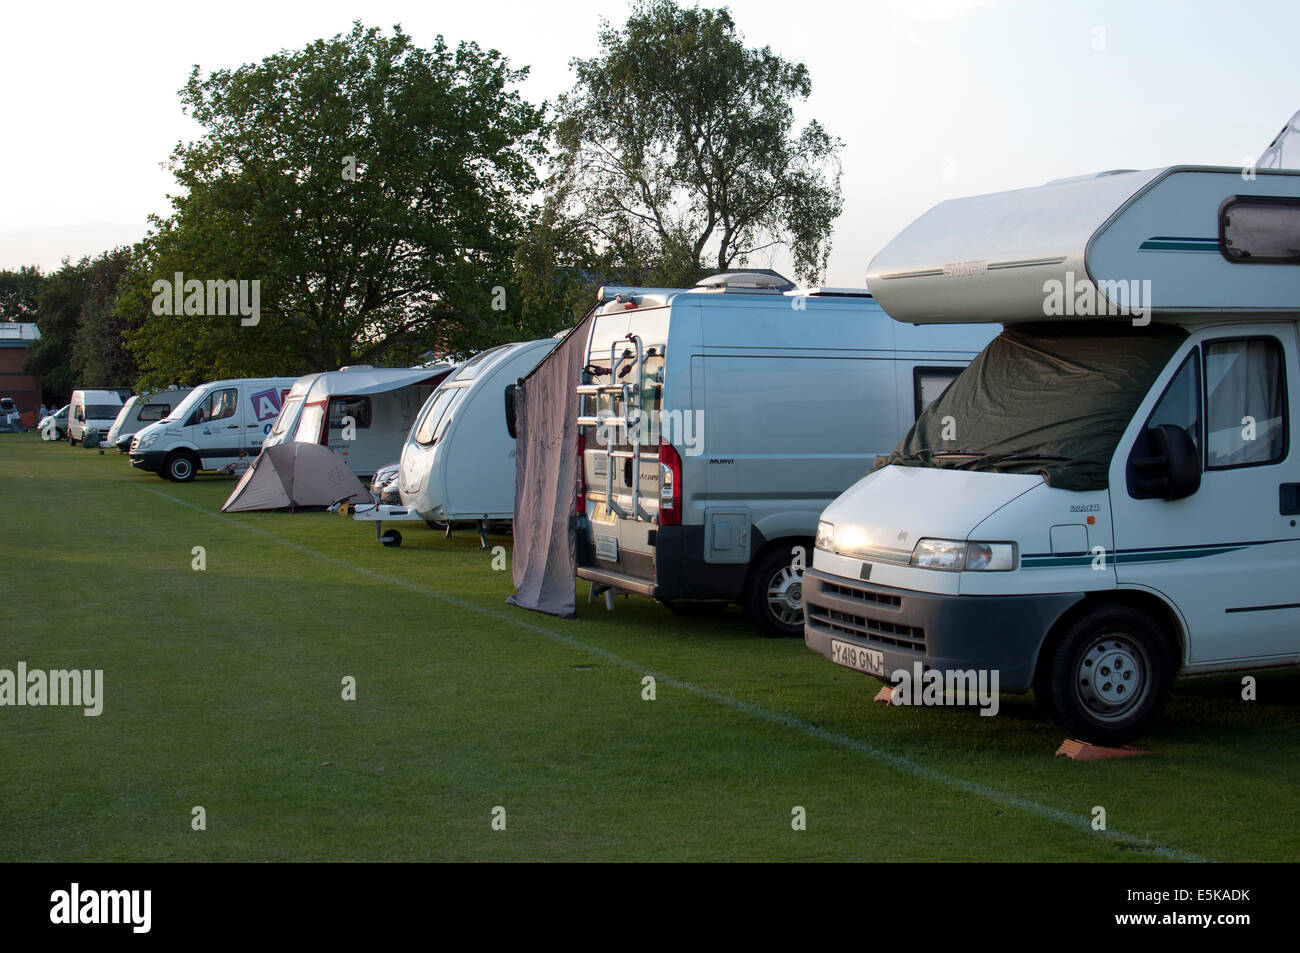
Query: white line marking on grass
{"x": 895, "y": 761}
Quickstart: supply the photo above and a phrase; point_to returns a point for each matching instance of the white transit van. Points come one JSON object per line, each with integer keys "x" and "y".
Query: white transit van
{"x": 742, "y": 407}
{"x": 361, "y": 413}
{"x": 92, "y": 410}
{"x": 219, "y": 426}
{"x": 140, "y": 411}
{"x": 1108, "y": 497}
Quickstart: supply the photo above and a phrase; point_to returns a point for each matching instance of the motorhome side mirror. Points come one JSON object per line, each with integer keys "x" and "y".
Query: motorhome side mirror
{"x": 1171, "y": 468}
{"x": 510, "y": 410}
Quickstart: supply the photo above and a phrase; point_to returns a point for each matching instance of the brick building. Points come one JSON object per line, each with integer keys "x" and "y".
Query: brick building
{"x": 15, "y": 338}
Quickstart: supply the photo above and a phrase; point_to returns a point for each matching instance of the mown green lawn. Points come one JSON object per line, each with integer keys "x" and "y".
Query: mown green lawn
{"x": 223, "y": 690}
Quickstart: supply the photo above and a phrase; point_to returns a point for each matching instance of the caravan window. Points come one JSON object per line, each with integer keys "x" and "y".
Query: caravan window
{"x": 358, "y": 408}
{"x": 1245, "y": 387}
{"x": 153, "y": 412}
{"x": 470, "y": 368}
{"x": 433, "y": 421}
{"x": 1260, "y": 230}
{"x": 287, "y": 414}
{"x": 309, "y": 424}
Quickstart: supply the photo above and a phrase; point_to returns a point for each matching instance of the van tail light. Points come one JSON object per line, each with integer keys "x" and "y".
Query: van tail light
{"x": 670, "y": 486}
{"x": 582, "y": 474}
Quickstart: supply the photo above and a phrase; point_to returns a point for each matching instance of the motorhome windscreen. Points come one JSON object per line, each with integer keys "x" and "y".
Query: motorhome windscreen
{"x": 1047, "y": 399}
{"x": 102, "y": 411}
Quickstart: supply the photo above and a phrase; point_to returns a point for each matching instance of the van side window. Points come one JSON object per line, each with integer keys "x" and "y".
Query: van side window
{"x": 1181, "y": 403}
{"x": 1260, "y": 230}
{"x": 224, "y": 403}
{"x": 928, "y": 383}
{"x": 358, "y": 408}
{"x": 1246, "y": 418}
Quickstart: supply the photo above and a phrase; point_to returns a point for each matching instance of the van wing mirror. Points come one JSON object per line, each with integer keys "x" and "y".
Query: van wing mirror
{"x": 1165, "y": 465}
{"x": 510, "y": 410}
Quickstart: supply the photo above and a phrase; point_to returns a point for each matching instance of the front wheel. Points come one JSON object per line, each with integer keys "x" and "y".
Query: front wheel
{"x": 1110, "y": 675}
{"x": 774, "y": 593}
{"x": 180, "y": 467}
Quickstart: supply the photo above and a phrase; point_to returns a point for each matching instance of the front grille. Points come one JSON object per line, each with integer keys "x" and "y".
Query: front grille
{"x": 862, "y": 595}
{"x": 870, "y": 628}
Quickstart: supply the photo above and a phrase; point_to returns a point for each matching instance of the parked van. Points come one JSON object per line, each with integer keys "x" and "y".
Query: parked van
{"x": 741, "y": 407}
{"x": 1108, "y": 497}
{"x": 458, "y": 463}
{"x": 92, "y": 410}
{"x": 361, "y": 413}
{"x": 138, "y": 412}
{"x": 218, "y": 426}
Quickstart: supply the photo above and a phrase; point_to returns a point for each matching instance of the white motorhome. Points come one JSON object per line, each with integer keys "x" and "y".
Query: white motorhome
{"x": 458, "y": 464}
{"x": 219, "y": 426}
{"x": 92, "y": 410}
{"x": 140, "y": 411}
{"x": 1108, "y": 497}
{"x": 742, "y": 406}
{"x": 361, "y": 413}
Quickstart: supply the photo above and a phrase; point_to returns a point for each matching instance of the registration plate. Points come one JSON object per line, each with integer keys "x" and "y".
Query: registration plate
{"x": 854, "y": 656}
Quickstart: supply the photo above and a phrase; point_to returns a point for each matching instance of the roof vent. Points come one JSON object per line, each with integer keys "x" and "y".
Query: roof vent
{"x": 762, "y": 281}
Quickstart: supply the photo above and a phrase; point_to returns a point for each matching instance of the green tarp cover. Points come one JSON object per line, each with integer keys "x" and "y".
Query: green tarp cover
{"x": 1050, "y": 399}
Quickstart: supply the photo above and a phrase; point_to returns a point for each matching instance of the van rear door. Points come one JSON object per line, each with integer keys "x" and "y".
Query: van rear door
{"x": 621, "y": 398}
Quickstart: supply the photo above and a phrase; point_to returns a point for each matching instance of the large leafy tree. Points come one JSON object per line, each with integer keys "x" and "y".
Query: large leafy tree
{"x": 678, "y": 152}
{"x": 375, "y": 190}
{"x": 81, "y": 340}
{"x": 18, "y": 291}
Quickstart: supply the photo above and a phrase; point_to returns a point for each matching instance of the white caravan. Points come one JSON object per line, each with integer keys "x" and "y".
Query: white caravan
{"x": 361, "y": 413}
{"x": 743, "y": 406}
{"x": 219, "y": 426}
{"x": 140, "y": 411}
{"x": 458, "y": 463}
{"x": 92, "y": 410}
{"x": 1108, "y": 497}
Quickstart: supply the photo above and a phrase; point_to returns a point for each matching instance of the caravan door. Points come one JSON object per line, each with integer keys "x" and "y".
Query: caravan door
{"x": 1227, "y": 556}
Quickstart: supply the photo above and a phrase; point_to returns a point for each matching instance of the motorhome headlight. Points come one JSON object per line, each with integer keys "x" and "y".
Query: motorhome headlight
{"x": 946, "y": 554}
{"x": 991, "y": 557}
{"x": 826, "y": 536}
{"x": 952, "y": 555}
{"x": 148, "y": 441}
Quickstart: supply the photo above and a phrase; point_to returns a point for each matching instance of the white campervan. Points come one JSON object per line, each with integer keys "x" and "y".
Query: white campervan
{"x": 361, "y": 413}
{"x": 140, "y": 411}
{"x": 1109, "y": 495}
{"x": 717, "y": 422}
{"x": 92, "y": 410}
{"x": 219, "y": 426}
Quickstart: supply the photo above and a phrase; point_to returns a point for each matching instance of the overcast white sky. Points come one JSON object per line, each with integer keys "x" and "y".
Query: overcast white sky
{"x": 933, "y": 98}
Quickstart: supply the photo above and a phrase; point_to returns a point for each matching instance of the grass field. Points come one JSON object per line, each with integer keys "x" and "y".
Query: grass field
{"x": 222, "y": 689}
